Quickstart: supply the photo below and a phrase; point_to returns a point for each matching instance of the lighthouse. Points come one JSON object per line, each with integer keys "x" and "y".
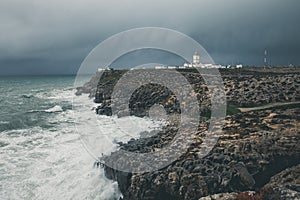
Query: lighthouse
{"x": 196, "y": 58}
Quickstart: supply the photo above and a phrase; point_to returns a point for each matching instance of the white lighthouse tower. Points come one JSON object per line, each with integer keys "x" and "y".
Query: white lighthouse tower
{"x": 196, "y": 58}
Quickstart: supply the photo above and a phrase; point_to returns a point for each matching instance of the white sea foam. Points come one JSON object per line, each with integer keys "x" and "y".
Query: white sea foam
{"x": 100, "y": 134}
{"x": 54, "y": 109}
{"x": 57, "y": 163}
{"x": 57, "y": 94}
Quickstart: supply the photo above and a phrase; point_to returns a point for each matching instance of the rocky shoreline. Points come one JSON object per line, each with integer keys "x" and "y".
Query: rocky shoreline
{"x": 247, "y": 155}
{"x": 257, "y": 155}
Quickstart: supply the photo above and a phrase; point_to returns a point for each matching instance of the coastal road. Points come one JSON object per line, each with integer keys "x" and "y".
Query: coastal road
{"x": 268, "y": 106}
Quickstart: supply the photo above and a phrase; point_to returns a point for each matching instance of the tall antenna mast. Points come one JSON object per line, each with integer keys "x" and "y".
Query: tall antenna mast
{"x": 265, "y": 58}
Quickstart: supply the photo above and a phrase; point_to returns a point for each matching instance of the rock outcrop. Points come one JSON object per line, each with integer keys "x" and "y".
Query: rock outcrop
{"x": 287, "y": 183}
{"x": 258, "y": 151}
{"x": 248, "y": 154}
{"x": 242, "y": 88}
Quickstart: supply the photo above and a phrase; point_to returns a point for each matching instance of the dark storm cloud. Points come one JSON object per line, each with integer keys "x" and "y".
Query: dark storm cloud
{"x": 53, "y": 37}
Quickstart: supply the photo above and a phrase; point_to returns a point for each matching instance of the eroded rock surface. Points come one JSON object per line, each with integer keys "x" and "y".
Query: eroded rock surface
{"x": 257, "y": 151}
{"x": 250, "y": 151}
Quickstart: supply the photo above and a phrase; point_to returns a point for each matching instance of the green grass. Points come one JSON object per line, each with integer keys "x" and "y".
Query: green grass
{"x": 231, "y": 110}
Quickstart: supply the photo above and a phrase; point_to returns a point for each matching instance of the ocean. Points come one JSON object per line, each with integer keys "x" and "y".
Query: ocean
{"x": 47, "y": 147}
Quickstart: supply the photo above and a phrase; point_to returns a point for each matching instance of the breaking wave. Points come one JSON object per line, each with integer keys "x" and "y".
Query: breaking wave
{"x": 54, "y": 109}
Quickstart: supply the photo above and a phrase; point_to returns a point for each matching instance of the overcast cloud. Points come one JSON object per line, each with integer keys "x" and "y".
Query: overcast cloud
{"x": 53, "y": 37}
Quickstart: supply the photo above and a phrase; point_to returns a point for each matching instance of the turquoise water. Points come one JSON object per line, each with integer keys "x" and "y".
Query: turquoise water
{"x": 23, "y": 100}
{"x": 50, "y": 138}
{"x": 41, "y": 154}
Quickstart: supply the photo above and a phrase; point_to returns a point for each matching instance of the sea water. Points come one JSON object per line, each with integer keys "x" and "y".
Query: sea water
{"x": 44, "y": 148}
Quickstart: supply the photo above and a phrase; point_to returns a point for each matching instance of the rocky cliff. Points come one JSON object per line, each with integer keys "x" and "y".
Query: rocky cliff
{"x": 243, "y": 89}
{"x": 258, "y": 151}
{"x": 254, "y": 147}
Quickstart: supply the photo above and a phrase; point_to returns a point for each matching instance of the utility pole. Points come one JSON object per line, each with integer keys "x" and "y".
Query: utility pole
{"x": 265, "y": 59}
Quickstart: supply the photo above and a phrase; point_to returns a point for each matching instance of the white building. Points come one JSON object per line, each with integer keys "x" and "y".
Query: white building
{"x": 196, "y": 58}
{"x": 160, "y": 67}
{"x": 196, "y": 63}
{"x": 103, "y": 69}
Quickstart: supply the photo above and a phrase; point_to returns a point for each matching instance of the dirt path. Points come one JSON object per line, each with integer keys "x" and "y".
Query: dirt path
{"x": 268, "y": 106}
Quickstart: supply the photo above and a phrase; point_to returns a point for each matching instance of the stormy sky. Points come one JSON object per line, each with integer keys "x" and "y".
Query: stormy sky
{"x": 53, "y": 37}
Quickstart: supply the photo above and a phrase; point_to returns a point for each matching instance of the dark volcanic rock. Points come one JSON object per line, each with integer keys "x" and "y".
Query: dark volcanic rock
{"x": 243, "y": 88}
{"x": 287, "y": 183}
{"x": 244, "y": 159}
{"x": 251, "y": 153}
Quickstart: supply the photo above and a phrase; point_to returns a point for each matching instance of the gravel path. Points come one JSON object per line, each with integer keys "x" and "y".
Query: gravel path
{"x": 268, "y": 106}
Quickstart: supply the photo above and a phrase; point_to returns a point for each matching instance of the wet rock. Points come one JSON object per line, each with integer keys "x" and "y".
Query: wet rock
{"x": 254, "y": 146}
{"x": 287, "y": 183}
{"x": 242, "y": 177}
{"x": 239, "y": 162}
